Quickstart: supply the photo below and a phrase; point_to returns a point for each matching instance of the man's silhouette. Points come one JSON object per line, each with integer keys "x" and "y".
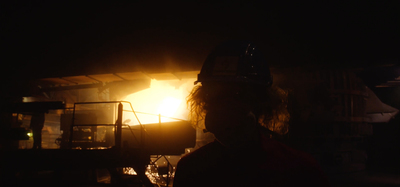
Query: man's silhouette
{"x": 243, "y": 110}
{"x": 37, "y": 123}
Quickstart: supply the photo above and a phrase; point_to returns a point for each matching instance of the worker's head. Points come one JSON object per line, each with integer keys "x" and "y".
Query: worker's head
{"x": 236, "y": 93}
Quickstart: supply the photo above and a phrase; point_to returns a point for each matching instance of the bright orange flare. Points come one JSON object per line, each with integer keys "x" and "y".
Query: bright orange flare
{"x": 165, "y": 98}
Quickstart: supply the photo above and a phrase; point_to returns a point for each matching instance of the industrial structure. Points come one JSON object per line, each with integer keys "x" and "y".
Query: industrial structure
{"x": 92, "y": 136}
{"x": 87, "y": 139}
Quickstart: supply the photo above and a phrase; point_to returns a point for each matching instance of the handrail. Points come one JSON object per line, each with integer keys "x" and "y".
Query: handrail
{"x": 93, "y": 125}
{"x": 133, "y": 134}
{"x": 99, "y": 102}
{"x": 143, "y": 130}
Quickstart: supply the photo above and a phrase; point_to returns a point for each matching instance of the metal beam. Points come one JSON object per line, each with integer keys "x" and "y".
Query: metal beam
{"x": 74, "y": 87}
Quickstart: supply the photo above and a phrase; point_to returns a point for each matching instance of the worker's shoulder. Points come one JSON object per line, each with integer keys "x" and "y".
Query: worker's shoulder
{"x": 203, "y": 153}
{"x": 303, "y": 166}
{"x": 288, "y": 154}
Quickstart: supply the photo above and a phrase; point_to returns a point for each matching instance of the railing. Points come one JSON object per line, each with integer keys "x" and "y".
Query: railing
{"x": 118, "y": 124}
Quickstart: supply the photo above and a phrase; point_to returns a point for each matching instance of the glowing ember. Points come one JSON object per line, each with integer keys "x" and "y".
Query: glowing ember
{"x": 165, "y": 98}
{"x": 128, "y": 171}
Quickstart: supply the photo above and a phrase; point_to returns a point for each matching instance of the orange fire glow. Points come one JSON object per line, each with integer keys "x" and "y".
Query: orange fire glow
{"x": 166, "y": 98}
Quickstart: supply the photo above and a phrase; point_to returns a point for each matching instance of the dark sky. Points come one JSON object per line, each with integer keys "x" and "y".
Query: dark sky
{"x": 87, "y": 38}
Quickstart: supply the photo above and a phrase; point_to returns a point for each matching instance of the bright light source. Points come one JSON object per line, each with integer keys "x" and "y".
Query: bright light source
{"x": 169, "y": 106}
{"x": 29, "y": 134}
{"x": 163, "y": 97}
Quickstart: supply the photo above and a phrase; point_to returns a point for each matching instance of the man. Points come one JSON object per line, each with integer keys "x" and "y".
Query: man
{"x": 243, "y": 111}
{"x": 37, "y": 123}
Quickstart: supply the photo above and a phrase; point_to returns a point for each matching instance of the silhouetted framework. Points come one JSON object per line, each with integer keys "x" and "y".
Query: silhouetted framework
{"x": 97, "y": 147}
{"x": 83, "y": 159}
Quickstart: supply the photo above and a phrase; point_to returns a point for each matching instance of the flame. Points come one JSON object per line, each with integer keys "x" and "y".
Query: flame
{"x": 166, "y": 98}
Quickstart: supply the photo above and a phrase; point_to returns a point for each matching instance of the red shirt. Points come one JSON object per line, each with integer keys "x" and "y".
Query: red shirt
{"x": 270, "y": 163}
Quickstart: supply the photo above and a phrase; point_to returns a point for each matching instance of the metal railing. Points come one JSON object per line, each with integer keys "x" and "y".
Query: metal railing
{"x": 117, "y": 125}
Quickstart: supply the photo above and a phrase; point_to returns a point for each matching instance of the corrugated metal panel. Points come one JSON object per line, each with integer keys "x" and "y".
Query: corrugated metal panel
{"x": 106, "y": 77}
{"x": 133, "y": 75}
{"x": 55, "y": 81}
{"x": 80, "y": 79}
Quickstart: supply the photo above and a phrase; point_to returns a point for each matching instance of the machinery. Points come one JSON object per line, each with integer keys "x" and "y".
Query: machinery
{"x": 96, "y": 141}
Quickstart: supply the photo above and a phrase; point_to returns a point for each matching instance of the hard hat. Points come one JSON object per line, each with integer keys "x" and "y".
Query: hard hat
{"x": 236, "y": 61}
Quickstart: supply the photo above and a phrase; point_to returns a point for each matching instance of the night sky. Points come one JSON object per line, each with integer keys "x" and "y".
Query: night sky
{"x": 50, "y": 39}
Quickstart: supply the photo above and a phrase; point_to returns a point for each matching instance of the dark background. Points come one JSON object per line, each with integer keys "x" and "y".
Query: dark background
{"x": 53, "y": 39}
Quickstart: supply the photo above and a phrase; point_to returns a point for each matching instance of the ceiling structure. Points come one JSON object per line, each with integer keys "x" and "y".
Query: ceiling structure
{"x": 99, "y": 80}
{"x": 64, "y": 46}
